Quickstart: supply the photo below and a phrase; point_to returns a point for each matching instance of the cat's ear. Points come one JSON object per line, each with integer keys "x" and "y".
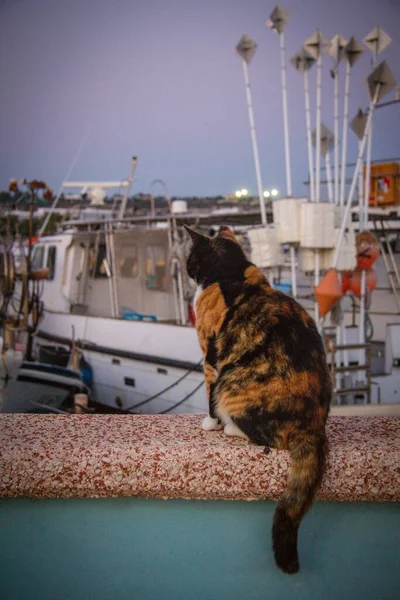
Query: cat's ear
{"x": 197, "y": 238}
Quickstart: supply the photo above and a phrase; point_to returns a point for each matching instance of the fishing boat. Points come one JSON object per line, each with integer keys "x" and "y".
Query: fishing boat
{"x": 116, "y": 286}
{"x": 117, "y": 289}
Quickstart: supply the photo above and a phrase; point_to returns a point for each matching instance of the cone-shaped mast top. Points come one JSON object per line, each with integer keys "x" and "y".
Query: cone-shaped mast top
{"x": 383, "y": 77}
{"x": 317, "y": 44}
{"x": 327, "y": 139}
{"x": 359, "y": 123}
{"x": 353, "y": 50}
{"x": 377, "y": 40}
{"x": 302, "y": 60}
{"x": 337, "y": 50}
{"x": 246, "y": 48}
{"x": 278, "y": 19}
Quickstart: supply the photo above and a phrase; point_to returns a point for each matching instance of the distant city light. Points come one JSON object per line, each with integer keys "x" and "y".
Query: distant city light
{"x": 238, "y": 193}
{"x": 266, "y": 194}
{"x": 244, "y": 192}
{"x": 274, "y": 192}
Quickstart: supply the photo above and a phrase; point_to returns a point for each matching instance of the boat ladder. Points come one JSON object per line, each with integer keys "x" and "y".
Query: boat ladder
{"x": 389, "y": 260}
{"x": 337, "y": 372}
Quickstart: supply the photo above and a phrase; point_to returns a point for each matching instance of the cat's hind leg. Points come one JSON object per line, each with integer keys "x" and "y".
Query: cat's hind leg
{"x": 233, "y": 430}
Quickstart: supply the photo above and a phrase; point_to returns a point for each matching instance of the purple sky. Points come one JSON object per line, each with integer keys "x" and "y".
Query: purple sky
{"x": 160, "y": 79}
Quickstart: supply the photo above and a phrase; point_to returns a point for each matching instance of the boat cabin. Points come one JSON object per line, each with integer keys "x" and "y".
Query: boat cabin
{"x": 112, "y": 273}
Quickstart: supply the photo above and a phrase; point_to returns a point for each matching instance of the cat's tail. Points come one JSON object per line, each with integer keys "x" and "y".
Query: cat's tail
{"x": 308, "y": 465}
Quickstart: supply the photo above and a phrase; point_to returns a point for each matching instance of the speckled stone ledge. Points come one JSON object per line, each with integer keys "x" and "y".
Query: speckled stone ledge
{"x": 46, "y": 456}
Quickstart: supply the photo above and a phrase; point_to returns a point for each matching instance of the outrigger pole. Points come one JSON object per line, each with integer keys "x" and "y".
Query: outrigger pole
{"x": 246, "y": 49}
{"x": 302, "y": 62}
{"x": 277, "y": 22}
{"x": 317, "y": 45}
{"x": 353, "y": 51}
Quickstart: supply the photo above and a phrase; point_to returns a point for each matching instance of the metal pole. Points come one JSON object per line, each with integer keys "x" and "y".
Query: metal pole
{"x": 309, "y": 135}
{"x": 336, "y": 132}
{"x": 354, "y": 180}
{"x": 361, "y": 326}
{"x": 56, "y": 199}
{"x": 317, "y": 196}
{"x": 316, "y": 282}
{"x": 360, "y": 196}
{"x": 361, "y": 329}
{"x": 285, "y": 116}
{"x": 113, "y": 265}
{"x": 293, "y": 268}
{"x": 318, "y": 131}
{"x": 31, "y": 211}
{"x": 124, "y": 202}
{"x": 255, "y": 146}
{"x": 329, "y": 176}
{"x": 344, "y": 137}
{"x": 367, "y": 190}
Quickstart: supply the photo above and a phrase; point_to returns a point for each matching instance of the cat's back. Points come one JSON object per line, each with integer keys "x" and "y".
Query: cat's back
{"x": 264, "y": 321}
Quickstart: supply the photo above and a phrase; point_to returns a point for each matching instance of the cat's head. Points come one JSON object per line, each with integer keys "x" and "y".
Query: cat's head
{"x": 215, "y": 258}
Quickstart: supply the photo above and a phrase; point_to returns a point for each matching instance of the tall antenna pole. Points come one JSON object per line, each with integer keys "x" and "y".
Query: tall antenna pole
{"x": 277, "y": 22}
{"x": 318, "y": 44}
{"x": 246, "y": 49}
{"x": 318, "y": 131}
{"x": 353, "y": 51}
{"x": 337, "y": 54}
{"x": 302, "y": 61}
{"x": 309, "y": 142}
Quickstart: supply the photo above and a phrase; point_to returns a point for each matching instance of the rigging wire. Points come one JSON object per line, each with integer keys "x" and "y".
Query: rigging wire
{"x": 165, "y": 389}
{"x": 167, "y": 410}
{"x": 67, "y": 176}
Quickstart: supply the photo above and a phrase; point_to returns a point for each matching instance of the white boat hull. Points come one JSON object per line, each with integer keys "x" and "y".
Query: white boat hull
{"x": 133, "y": 360}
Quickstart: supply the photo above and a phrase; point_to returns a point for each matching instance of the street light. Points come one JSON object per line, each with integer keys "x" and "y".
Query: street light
{"x": 274, "y": 192}
{"x": 266, "y": 194}
{"x": 244, "y": 192}
{"x": 238, "y": 193}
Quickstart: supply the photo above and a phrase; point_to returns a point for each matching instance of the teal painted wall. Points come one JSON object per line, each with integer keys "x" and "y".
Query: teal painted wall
{"x": 127, "y": 548}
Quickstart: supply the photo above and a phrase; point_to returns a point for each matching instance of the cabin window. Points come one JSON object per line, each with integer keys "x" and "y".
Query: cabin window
{"x": 156, "y": 268}
{"x": 128, "y": 262}
{"x": 37, "y": 258}
{"x": 51, "y": 262}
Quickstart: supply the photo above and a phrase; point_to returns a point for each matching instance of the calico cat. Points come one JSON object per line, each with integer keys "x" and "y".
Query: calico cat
{"x": 265, "y": 372}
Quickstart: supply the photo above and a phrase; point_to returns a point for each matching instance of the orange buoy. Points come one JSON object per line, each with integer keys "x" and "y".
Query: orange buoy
{"x": 346, "y": 280}
{"x": 328, "y": 292}
{"x": 367, "y": 249}
{"x": 371, "y": 279}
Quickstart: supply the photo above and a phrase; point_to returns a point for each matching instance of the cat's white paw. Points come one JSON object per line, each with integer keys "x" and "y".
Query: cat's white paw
{"x": 210, "y": 424}
{"x": 232, "y": 429}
